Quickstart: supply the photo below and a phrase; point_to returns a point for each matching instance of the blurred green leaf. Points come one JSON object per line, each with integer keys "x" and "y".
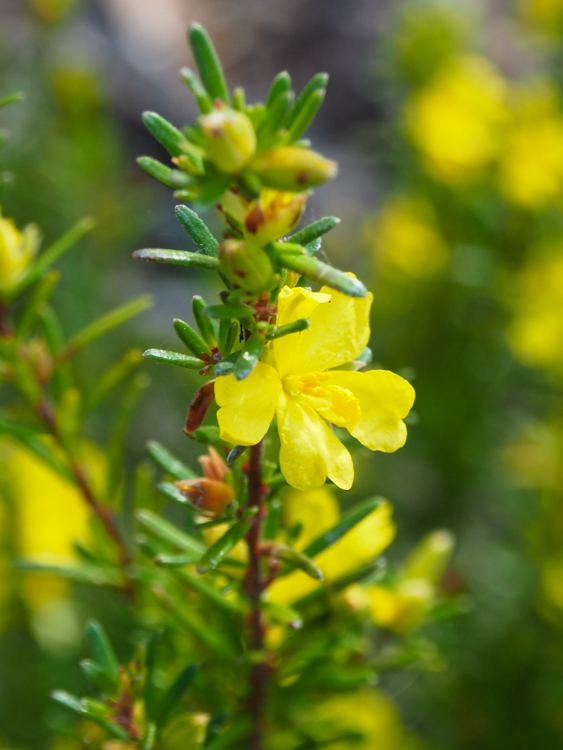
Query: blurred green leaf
{"x": 208, "y": 63}
{"x": 169, "y": 463}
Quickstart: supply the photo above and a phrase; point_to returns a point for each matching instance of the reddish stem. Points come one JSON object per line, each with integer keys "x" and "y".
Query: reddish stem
{"x": 254, "y": 585}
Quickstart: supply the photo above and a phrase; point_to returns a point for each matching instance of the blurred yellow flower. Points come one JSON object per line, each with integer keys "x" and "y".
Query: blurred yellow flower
{"x": 273, "y": 215}
{"x": 317, "y": 511}
{"x": 363, "y": 543}
{"x": 536, "y": 332}
{"x": 457, "y": 120}
{"x": 544, "y": 15}
{"x": 406, "y": 238}
{"x": 368, "y": 713}
{"x": 531, "y": 167}
{"x": 17, "y": 250}
{"x": 297, "y": 385}
{"x": 403, "y": 608}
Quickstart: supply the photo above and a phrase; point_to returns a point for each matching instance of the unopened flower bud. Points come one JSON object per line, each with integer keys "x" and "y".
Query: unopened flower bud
{"x": 428, "y": 561}
{"x": 231, "y": 140}
{"x": 209, "y": 495}
{"x": 272, "y": 216}
{"x": 17, "y": 250}
{"x": 293, "y": 168}
{"x": 246, "y": 265}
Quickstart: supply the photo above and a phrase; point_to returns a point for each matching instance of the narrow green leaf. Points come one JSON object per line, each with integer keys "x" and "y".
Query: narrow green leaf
{"x": 233, "y": 333}
{"x": 297, "y": 325}
{"x": 306, "y": 115}
{"x": 185, "y": 195}
{"x": 227, "y": 312}
{"x": 116, "y": 446}
{"x": 315, "y": 230}
{"x": 173, "y": 694}
{"x": 107, "y": 323}
{"x": 68, "y": 701}
{"x": 208, "y": 435}
{"x": 173, "y": 493}
{"x": 39, "y": 296}
{"x": 272, "y": 524}
{"x": 79, "y": 572}
{"x": 172, "y": 178}
{"x": 239, "y": 99}
{"x": 206, "y": 326}
{"x": 167, "y": 532}
{"x": 315, "y": 270}
{"x": 35, "y": 442}
{"x": 165, "y": 133}
{"x": 216, "y": 724}
{"x": 178, "y": 258}
{"x": 208, "y": 63}
{"x": 297, "y": 559}
{"x": 12, "y": 98}
{"x": 197, "y": 584}
{"x": 249, "y": 185}
{"x": 111, "y": 379}
{"x": 345, "y": 524}
{"x": 373, "y": 571}
{"x": 176, "y": 561}
{"x": 249, "y": 356}
{"x": 101, "y": 649}
{"x": 52, "y": 254}
{"x": 227, "y": 365}
{"x": 280, "y": 85}
{"x": 191, "y": 339}
{"x": 274, "y": 116}
{"x": 174, "y": 358}
{"x": 169, "y": 463}
{"x": 149, "y": 738}
{"x": 282, "y": 614}
{"x": 218, "y": 551}
{"x": 202, "y": 98}
{"x": 316, "y": 83}
{"x": 197, "y": 230}
{"x": 98, "y": 676}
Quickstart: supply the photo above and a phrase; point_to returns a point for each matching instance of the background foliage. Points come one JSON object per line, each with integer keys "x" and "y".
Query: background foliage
{"x": 458, "y": 118}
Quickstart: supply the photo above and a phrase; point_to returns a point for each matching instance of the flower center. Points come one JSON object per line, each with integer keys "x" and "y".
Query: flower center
{"x": 307, "y": 385}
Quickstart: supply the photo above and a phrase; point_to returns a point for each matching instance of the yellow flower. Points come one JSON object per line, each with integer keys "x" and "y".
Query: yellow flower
{"x": 17, "y": 250}
{"x": 536, "y": 333}
{"x": 297, "y": 386}
{"x": 531, "y": 170}
{"x": 404, "y": 607}
{"x": 273, "y": 215}
{"x": 545, "y": 15}
{"x": 367, "y": 712}
{"x": 406, "y": 238}
{"x": 317, "y": 511}
{"x": 363, "y": 543}
{"x": 456, "y": 121}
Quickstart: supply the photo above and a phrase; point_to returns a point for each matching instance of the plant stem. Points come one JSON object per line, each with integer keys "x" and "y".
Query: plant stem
{"x": 254, "y": 585}
{"x": 103, "y": 512}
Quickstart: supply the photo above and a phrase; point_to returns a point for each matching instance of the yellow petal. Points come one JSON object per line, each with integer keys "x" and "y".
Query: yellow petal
{"x": 293, "y": 304}
{"x": 385, "y": 399}
{"x": 317, "y": 511}
{"x": 248, "y": 406}
{"x": 309, "y": 449}
{"x": 338, "y": 333}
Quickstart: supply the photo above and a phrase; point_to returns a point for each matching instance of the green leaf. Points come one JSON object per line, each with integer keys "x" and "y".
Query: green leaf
{"x": 12, "y": 98}
{"x": 173, "y": 694}
{"x": 212, "y": 190}
{"x": 35, "y": 442}
{"x": 178, "y": 258}
{"x": 239, "y": 99}
{"x": 249, "y": 356}
{"x": 317, "y": 83}
{"x": 280, "y": 85}
{"x": 107, "y": 323}
{"x": 296, "y": 559}
{"x": 297, "y": 325}
{"x": 225, "y": 544}
{"x": 172, "y": 178}
{"x": 191, "y": 339}
{"x": 274, "y": 117}
{"x": 173, "y": 493}
{"x": 91, "y": 709}
{"x": 202, "y": 98}
{"x": 227, "y": 312}
{"x": 374, "y": 571}
{"x": 306, "y": 115}
{"x": 208, "y": 435}
{"x": 52, "y": 254}
{"x": 167, "y": 532}
{"x": 208, "y": 63}
{"x": 345, "y": 524}
{"x": 315, "y": 230}
{"x": 227, "y": 365}
{"x": 149, "y": 738}
{"x": 68, "y": 701}
{"x": 111, "y": 378}
{"x": 272, "y": 523}
{"x": 197, "y": 230}
{"x": 165, "y": 133}
{"x": 169, "y": 463}
{"x": 39, "y": 296}
{"x": 176, "y": 561}
{"x": 282, "y": 614}
{"x": 92, "y": 575}
{"x": 314, "y": 269}
{"x": 102, "y": 650}
{"x": 206, "y": 326}
{"x": 174, "y": 358}
{"x": 231, "y": 338}
{"x": 98, "y": 676}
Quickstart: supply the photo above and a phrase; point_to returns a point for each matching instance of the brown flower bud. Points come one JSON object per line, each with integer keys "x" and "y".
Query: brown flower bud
{"x": 209, "y": 495}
